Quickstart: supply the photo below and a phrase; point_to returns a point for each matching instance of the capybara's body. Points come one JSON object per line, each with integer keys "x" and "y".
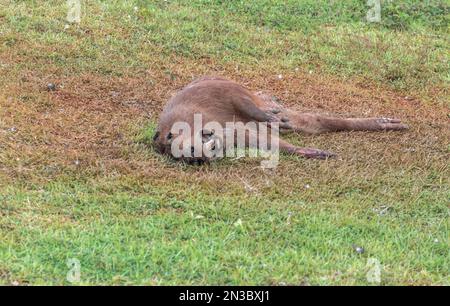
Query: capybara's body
{"x": 223, "y": 101}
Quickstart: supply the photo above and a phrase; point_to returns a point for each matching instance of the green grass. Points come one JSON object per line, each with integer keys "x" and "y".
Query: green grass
{"x": 131, "y": 216}
{"x": 194, "y": 237}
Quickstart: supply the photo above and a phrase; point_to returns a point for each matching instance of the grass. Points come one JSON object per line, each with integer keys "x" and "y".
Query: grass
{"x": 78, "y": 179}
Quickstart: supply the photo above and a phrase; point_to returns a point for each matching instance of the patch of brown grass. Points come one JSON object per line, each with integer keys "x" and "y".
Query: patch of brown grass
{"x": 87, "y": 128}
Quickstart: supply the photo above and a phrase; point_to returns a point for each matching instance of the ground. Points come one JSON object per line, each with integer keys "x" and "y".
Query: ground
{"x": 79, "y": 180}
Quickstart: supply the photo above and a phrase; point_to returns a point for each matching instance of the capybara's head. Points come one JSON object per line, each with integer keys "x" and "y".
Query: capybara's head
{"x": 185, "y": 144}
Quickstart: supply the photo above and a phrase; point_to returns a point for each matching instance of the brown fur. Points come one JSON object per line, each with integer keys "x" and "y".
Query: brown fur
{"x": 224, "y": 101}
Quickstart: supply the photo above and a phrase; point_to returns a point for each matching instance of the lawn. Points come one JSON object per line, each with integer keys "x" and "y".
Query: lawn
{"x": 80, "y": 182}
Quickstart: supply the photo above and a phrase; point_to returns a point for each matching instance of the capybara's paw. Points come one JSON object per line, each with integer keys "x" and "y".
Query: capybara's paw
{"x": 272, "y": 118}
{"x": 389, "y": 124}
{"x": 275, "y": 111}
{"x": 314, "y": 153}
{"x": 283, "y": 123}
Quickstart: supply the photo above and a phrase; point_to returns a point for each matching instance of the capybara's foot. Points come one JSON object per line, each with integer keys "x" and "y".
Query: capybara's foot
{"x": 389, "y": 124}
{"x": 283, "y": 122}
{"x": 314, "y": 153}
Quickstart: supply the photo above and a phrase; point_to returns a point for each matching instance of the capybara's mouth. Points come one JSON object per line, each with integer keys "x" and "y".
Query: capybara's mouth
{"x": 167, "y": 150}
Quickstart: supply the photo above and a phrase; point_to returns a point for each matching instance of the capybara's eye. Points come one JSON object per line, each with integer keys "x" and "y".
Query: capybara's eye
{"x": 169, "y": 136}
{"x": 156, "y": 136}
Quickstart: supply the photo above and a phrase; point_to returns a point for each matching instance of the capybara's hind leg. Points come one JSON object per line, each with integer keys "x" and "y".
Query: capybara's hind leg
{"x": 315, "y": 124}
